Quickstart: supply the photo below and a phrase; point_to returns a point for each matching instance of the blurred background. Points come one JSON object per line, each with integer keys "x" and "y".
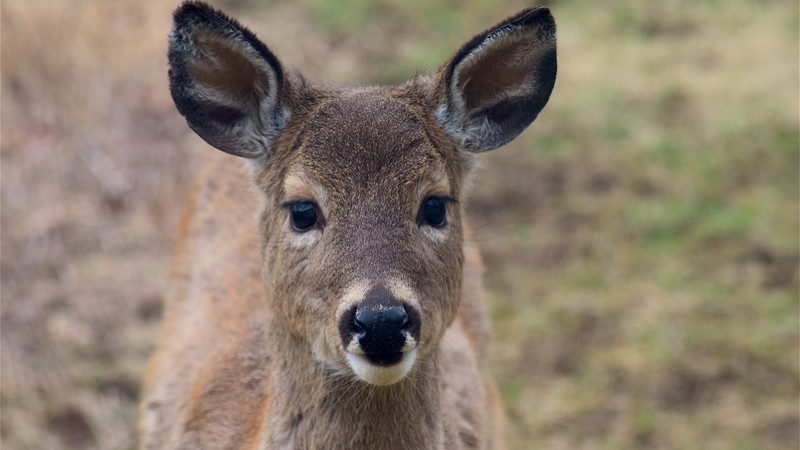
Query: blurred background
{"x": 641, "y": 238}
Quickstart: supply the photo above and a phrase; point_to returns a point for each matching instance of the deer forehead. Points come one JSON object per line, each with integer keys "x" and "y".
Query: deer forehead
{"x": 370, "y": 145}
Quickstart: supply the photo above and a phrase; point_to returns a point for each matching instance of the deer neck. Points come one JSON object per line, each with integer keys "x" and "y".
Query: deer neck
{"x": 312, "y": 406}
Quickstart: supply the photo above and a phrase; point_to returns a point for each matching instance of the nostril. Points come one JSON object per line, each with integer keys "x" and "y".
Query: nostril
{"x": 359, "y": 327}
{"x": 349, "y": 328}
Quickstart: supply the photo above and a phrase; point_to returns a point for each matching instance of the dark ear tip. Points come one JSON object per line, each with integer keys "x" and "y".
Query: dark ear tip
{"x": 193, "y": 10}
{"x": 539, "y": 16}
{"x": 542, "y": 11}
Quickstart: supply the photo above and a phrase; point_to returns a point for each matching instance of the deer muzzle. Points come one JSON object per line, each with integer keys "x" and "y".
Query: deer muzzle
{"x": 380, "y": 336}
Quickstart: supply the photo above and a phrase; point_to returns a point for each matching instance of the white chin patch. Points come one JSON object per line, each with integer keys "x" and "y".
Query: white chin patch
{"x": 381, "y": 375}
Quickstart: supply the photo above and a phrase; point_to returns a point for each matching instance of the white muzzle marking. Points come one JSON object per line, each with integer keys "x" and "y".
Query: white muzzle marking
{"x": 381, "y": 375}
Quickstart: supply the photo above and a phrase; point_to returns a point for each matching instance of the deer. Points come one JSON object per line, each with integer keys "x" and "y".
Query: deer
{"x": 321, "y": 294}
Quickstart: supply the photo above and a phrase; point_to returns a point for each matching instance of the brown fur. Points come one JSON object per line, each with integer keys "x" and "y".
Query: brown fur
{"x": 250, "y": 356}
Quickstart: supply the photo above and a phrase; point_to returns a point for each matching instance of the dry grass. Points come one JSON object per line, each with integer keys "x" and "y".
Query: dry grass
{"x": 642, "y": 239}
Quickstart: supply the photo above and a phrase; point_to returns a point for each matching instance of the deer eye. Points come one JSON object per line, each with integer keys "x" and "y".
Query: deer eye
{"x": 303, "y": 216}
{"x": 433, "y": 212}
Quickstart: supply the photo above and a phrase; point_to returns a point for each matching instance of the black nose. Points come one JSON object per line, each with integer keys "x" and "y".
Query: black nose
{"x": 380, "y": 330}
{"x": 381, "y": 325}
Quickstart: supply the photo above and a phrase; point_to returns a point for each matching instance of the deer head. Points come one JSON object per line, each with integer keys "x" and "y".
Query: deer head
{"x": 361, "y": 221}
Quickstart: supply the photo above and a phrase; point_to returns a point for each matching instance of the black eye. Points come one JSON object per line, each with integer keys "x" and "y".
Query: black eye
{"x": 433, "y": 212}
{"x": 303, "y": 216}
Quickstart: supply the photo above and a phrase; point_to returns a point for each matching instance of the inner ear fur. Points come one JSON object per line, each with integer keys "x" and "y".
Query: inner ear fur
{"x": 498, "y": 82}
{"x": 225, "y": 82}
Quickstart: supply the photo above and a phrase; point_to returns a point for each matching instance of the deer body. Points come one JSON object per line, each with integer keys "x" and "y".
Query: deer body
{"x": 322, "y": 298}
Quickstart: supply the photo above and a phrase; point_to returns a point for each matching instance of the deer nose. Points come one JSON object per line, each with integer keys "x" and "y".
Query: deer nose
{"x": 380, "y": 330}
{"x": 380, "y": 327}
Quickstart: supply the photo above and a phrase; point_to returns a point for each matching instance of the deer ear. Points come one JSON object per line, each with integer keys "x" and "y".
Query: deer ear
{"x": 225, "y": 82}
{"x": 498, "y": 82}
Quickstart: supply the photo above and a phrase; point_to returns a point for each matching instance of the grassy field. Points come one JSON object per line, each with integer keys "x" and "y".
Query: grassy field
{"x": 641, "y": 239}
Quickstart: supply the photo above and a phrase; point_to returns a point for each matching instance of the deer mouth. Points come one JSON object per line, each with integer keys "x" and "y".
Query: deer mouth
{"x": 381, "y": 369}
{"x": 384, "y": 367}
{"x": 385, "y": 359}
